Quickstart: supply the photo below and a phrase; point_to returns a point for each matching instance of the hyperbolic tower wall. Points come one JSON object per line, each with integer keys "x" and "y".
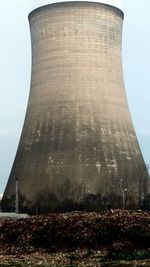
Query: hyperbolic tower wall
{"x": 78, "y": 147}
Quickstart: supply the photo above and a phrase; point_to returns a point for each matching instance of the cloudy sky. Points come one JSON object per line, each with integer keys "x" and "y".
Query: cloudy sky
{"x": 15, "y": 68}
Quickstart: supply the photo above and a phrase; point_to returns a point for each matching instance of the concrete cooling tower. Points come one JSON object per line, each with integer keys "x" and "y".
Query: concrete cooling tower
{"x": 78, "y": 148}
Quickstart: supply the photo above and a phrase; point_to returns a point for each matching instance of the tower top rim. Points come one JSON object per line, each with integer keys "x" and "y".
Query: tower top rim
{"x": 57, "y": 2}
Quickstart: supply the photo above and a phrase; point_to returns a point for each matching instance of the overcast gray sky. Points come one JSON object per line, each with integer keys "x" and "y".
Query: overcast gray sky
{"x": 15, "y": 67}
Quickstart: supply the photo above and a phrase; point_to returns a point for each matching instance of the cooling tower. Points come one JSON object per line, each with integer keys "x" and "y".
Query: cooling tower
{"x": 78, "y": 148}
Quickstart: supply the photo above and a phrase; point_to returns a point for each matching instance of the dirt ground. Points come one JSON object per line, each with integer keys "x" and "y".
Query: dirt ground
{"x": 113, "y": 238}
{"x": 76, "y": 259}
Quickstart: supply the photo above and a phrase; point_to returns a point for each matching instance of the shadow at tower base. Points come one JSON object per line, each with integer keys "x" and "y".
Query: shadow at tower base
{"x": 49, "y": 202}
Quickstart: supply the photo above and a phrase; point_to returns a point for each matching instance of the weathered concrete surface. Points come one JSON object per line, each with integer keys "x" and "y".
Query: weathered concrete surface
{"x": 78, "y": 143}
